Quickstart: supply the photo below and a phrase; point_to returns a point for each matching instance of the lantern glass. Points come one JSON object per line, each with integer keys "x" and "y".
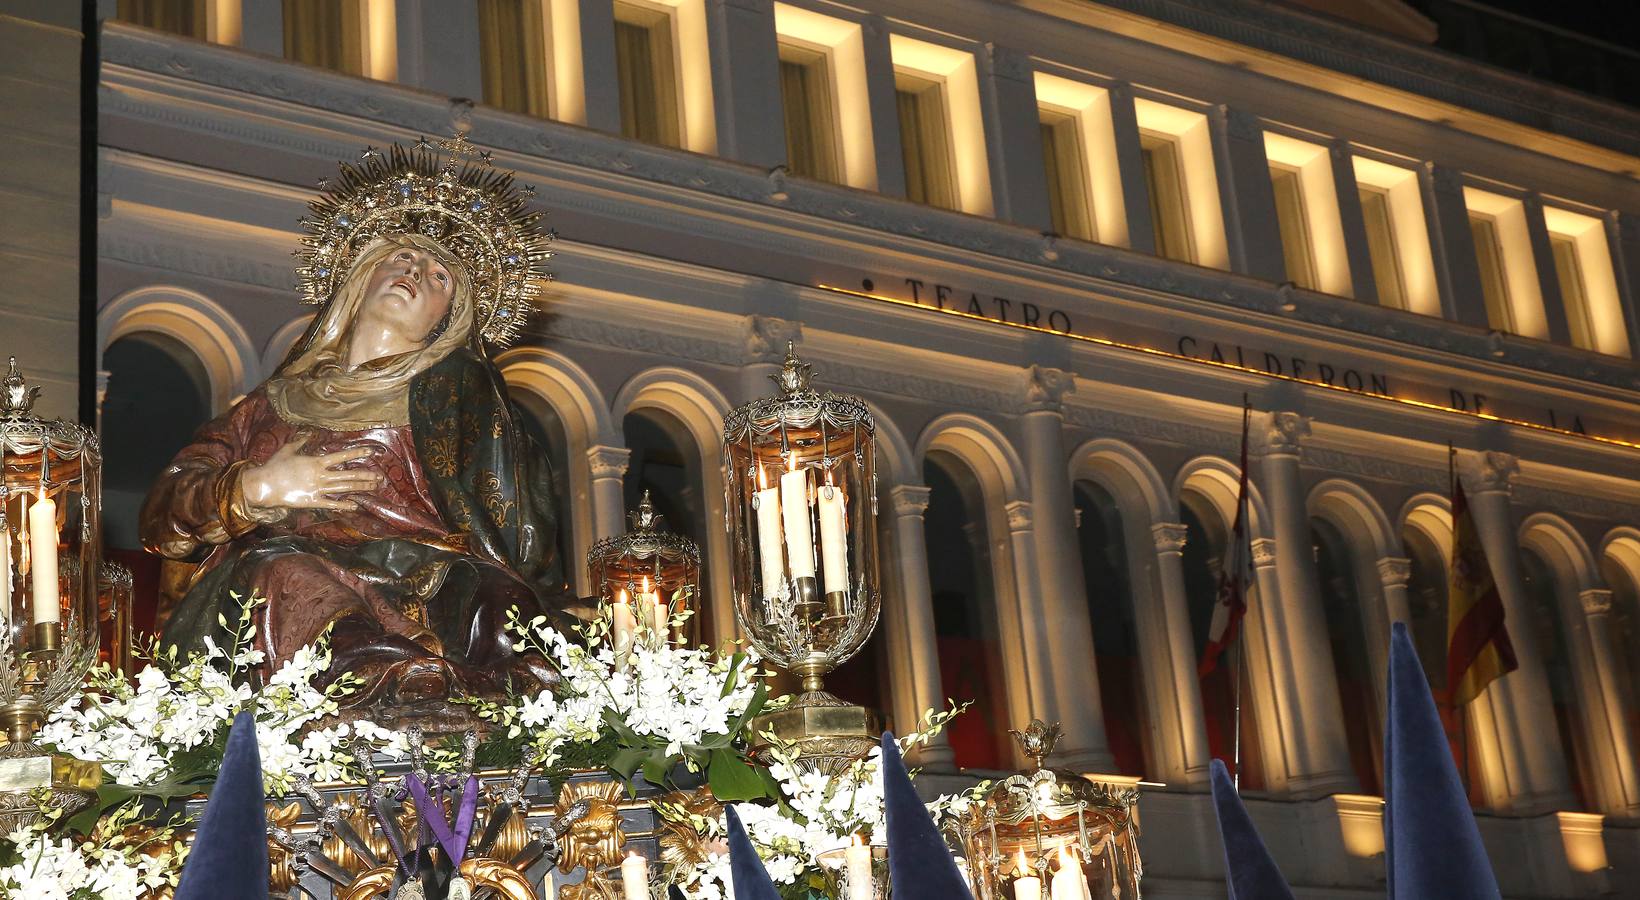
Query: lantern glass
{"x": 650, "y": 560}
{"x": 1052, "y": 834}
{"x": 50, "y": 503}
{"x": 801, "y": 480}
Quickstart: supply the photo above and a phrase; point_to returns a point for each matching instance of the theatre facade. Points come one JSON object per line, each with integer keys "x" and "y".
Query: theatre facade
{"x": 1057, "y": 247}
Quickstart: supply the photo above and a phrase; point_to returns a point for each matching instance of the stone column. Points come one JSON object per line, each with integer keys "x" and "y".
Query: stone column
{"x": 1456, "y": 268}
{"x": 1394, "y": 573}
{"x": 1262, "y": 656}
{"x": 1025, "y": 628}
{"x": 1608, "y": 724}
{"x": 913, "y": 642}
{"x": 746, "y": 82}
{"x": 1019, "y": 185}
{"x": 1058, "y": 561}
{"x": 1306, "y": 685}
{"x": 1170, "y": 665}
{"x": 1249, "y": 202}
{"x": 608, "y": 470}
{"x": 1533, "y": 777}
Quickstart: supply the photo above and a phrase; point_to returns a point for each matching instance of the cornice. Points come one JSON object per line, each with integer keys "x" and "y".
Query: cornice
{"x": 210, "y": 90}
{"x": 1403, "y": 65}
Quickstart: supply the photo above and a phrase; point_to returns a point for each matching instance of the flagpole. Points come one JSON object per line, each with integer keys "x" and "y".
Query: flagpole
{"x": 1236, "y": 649}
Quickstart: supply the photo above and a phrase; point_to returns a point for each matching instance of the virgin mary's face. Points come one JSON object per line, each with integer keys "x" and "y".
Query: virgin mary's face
{"x": 410, "y": 291}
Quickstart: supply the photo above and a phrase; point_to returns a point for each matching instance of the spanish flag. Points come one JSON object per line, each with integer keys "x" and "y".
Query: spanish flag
{"x": 1477, "y": 643}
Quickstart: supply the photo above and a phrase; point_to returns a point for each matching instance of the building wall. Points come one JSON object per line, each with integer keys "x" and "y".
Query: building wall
{"x": 40, "y": 195}
{"x": 1021, "y": 360}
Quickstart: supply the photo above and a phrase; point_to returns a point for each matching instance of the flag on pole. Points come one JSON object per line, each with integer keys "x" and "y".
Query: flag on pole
{"x": 1231, "y": 604}
{"x": 1478, "y": 650}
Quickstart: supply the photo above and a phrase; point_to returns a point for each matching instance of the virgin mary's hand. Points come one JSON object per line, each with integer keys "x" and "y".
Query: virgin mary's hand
{"x": 291, "y": 479}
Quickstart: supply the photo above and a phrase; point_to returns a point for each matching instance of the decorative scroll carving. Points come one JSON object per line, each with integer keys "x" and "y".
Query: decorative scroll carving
{"x": 1394, "y": 570}
{"x": 1264, "y": 553}
{"x": 1596, "y": 601}
{"x": 1019, "y": 515}
{"x": 608, "y": 462}
{"x": 1283, "y": 433}
{"x": 909, "y": 499}
{"x": 766, "y": 337}
{"x": 1045, "y": 388}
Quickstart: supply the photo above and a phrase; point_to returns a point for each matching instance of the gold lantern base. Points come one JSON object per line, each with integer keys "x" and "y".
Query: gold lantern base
{"x": 33, "y": 781}
{"x": 829, "y": 735}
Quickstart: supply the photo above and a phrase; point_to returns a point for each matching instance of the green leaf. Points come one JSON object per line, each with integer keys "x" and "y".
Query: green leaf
{"x": 655, "y": 769}
{"x": 626, "y": 761}
{"x": 622, "y": 730}
{"x": 732, "y": 780}
{"x": 734, "y": 667}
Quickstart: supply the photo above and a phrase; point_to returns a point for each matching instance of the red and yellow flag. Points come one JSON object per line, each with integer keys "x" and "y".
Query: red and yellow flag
{"x": 1478, "y": 650}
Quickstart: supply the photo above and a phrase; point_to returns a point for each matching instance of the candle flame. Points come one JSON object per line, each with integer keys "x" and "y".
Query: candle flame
{"x": 791, "y": 460}
{"x": 646, "y": 584}
{"x": 1066, "y": 860}
{"x": 621, "y": 596}
{"x": 856, "y": 839}
{"x": 762, "y": 478}
{"x": 1023, "y": 867}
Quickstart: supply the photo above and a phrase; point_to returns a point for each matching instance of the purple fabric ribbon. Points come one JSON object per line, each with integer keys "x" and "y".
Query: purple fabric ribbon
{"x": 454, "y": 841}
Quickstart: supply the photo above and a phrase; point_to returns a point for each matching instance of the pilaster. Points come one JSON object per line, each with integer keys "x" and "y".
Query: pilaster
{"x": 601, "y": 86}
{"x": 885, "y": 118}
{"x": 1141, "y": 231}
{"x": 1249, "y": 202}
{"x": 439, "y": 47}
{"x": 264, "y": 26}
{"x": 1362, "y": 282}
{"x": 1013, "y": 138}
{"x": 1543, "y": 258}
{"x": 1456, "y": 268}
{"x": 746, "y": 81}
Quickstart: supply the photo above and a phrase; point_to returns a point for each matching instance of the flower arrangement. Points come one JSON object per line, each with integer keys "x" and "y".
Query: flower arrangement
{"x": 654, "y": 708}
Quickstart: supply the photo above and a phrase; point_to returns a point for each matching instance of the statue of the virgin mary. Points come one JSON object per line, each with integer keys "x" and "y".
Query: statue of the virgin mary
{"x": 378, "y": 484}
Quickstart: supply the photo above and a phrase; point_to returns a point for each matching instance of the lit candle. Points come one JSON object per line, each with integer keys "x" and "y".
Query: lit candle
{"x": 857, "y": 858}
{"x": 654, "y": 611}
{"x": 622, "y": 625}
{"x": 833, "y": 537}
{"x": 1069, "y": 883}
{"x": 772, "y": 559}
{"x": 5, "y": 574}
{"x": 635, "y": 877}
{"x": 794, "y": 509}
{"x": 42, "y": 526}
{"x": 1026, "y": 887}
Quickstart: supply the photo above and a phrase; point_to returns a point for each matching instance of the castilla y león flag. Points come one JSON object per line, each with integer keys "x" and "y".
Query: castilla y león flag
{"x": 1477, "y": 643}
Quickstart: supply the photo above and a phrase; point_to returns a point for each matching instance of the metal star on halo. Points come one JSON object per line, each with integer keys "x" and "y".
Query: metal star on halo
{"x": 324, "y": 184}
{"x": 370, "y": 152}
{"x": 422, "y": 143}
{"x": 457, "y": 146}
{"x": 528, "y": 192}
{"x": 486, "y": 157}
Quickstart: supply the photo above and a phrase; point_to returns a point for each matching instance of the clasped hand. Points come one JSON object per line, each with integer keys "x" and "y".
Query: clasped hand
{"x": 291, "y": 479}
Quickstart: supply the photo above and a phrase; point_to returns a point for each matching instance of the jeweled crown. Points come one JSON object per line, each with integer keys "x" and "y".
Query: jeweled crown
{"x": 473, "y": 209}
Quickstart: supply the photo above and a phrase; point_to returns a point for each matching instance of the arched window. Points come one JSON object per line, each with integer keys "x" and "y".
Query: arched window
{"x": 1337, "y": 574}
{"x": 1115, "y": 634}
{"x": 542, "y": 424}
{"x": 1207, "y": 538}
{"x": 965, "y": 612}
{"x": 1548, "y": 629}
{"x": 158, "y": 395}
{"x": 666, "y": 463}
{"x": 1624, "y": 625}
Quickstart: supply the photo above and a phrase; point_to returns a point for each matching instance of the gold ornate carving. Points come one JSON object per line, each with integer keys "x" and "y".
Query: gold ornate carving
{"x": 282, "y": 876}
{"x": 682, "y": 844}
{"x": 595, "y": 840}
